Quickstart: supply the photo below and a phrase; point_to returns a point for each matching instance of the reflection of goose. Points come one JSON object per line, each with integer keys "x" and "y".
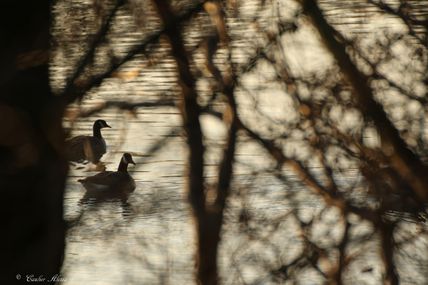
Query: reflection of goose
{"x": 90, "y": 148}
{"x": 110, "y": 183}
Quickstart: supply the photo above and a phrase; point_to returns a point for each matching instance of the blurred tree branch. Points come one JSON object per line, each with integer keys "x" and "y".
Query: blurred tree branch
{"x": 121, "y": 105}
{"x": 406, "y": 163}
{"x": 69, "y": 92}
{"x": 403, "y": 14}
{"x": 33, "y": 168}
{"x": 317, "y": 106}
{"x": 190, "y": 111}
{"x": 77, "y": 88}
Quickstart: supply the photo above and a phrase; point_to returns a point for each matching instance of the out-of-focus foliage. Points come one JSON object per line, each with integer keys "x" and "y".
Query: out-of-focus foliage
{"x": 293, "y": 75}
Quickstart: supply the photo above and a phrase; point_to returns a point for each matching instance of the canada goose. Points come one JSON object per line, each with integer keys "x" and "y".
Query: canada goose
{"x": 110, "y": 183}
{"x": 90, "y": 148}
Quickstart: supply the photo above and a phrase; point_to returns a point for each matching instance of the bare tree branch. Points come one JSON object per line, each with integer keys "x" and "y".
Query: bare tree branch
{"x": 78, "y": 91}
{"x": 406, "y": 163}
{"x": 90, "y": 52}
{"x": 207, "y": 272}
{"x": 122, "y": 105}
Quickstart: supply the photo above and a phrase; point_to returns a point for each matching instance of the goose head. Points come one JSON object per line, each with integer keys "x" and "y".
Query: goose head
{"x": 98, "y": 125}
{"x": 126, "y": 159}
{"x": 101, "y": 124}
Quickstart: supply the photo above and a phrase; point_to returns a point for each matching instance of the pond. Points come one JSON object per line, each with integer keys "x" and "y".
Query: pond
{"x": 149, "y": 239}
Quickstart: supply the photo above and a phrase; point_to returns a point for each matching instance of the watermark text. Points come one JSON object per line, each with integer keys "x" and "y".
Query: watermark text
{"x": 33, "y": 278}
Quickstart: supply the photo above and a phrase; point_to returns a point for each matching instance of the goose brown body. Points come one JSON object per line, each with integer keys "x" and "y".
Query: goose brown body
{"x": 90, "y": 148}
{"x": 119, "y": 181}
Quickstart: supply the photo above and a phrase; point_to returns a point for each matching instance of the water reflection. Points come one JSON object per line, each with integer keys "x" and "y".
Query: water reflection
{"x": 147, "y": 237}
{"x": 94, "y": 197}
{"x": 90, "y": 203}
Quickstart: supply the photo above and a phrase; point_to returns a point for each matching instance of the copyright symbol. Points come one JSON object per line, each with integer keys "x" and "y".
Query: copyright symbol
{"x": 18, "y": 276}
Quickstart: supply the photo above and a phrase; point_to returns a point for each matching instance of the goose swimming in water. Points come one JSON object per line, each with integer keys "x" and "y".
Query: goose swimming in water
{"x": 111, "y": 182}
{"x": 90, "y": 148}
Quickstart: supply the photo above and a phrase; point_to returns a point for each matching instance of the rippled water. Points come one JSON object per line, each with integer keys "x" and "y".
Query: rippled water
{"x": 149, "y": 239}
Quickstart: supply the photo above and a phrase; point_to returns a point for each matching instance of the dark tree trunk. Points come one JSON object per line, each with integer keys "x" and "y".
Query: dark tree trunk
{"x": 32, "y": 165}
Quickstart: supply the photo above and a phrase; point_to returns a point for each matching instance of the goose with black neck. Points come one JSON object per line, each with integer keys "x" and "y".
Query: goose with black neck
{"x": 111, "y": 183}
{"x": 90, "y": 148}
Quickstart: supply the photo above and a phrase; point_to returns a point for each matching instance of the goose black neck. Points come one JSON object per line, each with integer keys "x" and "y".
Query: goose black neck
{"x": 97, "y": 131}
{"x": 123, "y": 167}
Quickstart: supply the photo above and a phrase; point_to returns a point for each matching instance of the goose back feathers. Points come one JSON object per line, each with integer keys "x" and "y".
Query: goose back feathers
{"x": 119, "y": 181}
{"x": 90, "y": 148}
